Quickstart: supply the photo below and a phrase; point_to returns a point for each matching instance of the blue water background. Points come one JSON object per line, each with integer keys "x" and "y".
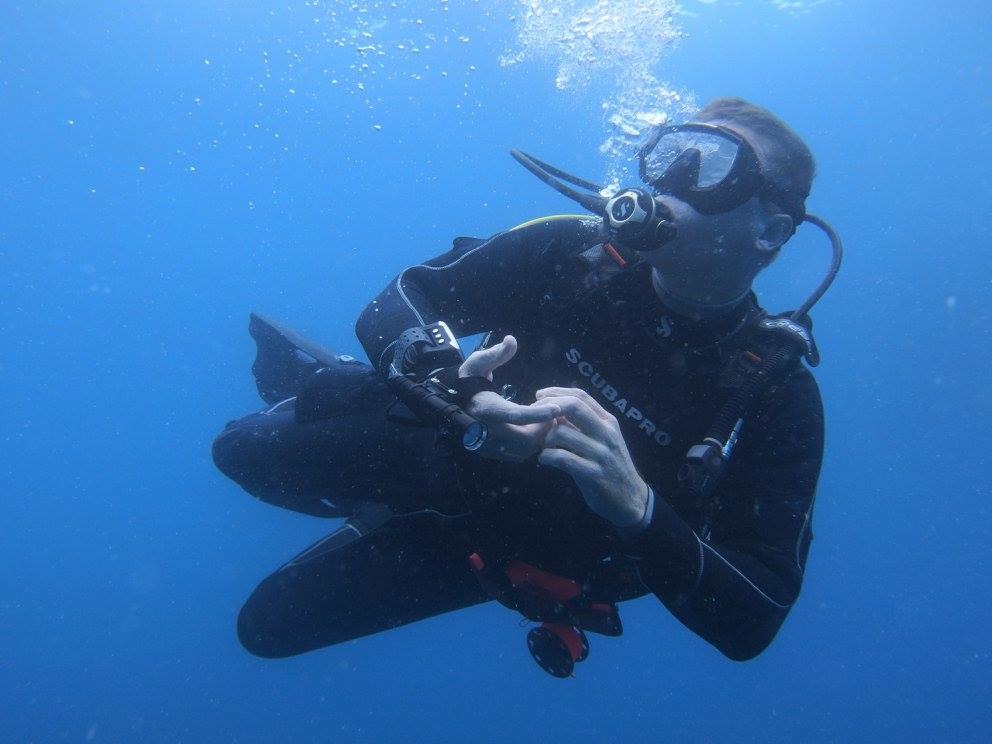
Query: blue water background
{"x": 143, "y": 214}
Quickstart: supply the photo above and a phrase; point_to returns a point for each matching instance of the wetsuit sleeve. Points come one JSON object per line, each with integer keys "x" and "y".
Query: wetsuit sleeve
{"x": 476, "y": 286}
{"x": 735, "y": 588}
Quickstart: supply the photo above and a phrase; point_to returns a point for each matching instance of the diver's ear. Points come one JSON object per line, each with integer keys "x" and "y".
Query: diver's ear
{"x": 778, "y": 229}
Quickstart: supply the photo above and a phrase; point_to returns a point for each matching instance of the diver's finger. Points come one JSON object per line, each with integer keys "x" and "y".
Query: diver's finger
{"x": 492, "y": 408}
{"x": 579, "y": 413}
{"x": 573, "y": 440}
{"x": 568, "y": 462}
{"x": 578, "y": 393}
{"x": 482, "y": 362}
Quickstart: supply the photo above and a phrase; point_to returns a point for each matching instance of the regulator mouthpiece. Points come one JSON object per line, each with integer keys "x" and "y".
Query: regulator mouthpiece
{"x": 638, "y": 222}
{"x": 633, "y": 218}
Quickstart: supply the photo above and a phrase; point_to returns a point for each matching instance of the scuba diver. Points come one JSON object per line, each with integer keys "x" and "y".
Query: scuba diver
{"x": 632, "y": 423}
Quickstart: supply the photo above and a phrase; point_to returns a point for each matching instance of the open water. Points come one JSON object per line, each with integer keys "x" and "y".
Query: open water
{"x": 168, "y": 166}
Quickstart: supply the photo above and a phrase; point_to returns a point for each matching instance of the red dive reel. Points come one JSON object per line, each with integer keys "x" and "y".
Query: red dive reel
{"x": 561, "y": 606}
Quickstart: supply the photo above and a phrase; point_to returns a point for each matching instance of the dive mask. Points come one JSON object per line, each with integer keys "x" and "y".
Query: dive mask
{"x": 710, "y": 168}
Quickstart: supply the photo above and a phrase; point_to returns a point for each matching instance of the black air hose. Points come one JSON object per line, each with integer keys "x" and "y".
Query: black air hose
{"x": 775, "y": 366}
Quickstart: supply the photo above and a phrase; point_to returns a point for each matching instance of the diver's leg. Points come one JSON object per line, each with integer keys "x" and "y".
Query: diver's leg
{"x": 410, "y": 569}
{"x": 326, "y": 466}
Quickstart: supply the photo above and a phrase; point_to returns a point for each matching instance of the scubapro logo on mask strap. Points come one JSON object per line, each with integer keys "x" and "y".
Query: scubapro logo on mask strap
{"x": 617, "y": 399}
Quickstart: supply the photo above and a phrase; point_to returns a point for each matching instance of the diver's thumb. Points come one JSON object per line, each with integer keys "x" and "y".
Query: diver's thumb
{"x": 482, "y": 362}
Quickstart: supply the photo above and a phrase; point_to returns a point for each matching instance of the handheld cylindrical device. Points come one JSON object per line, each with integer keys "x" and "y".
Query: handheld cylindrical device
{"x": 429, "y": 399}
{"x": 421, "y": 352}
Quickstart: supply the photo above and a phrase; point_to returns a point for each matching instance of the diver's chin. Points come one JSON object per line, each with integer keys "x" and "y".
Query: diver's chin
{"x": 689, "y": 300}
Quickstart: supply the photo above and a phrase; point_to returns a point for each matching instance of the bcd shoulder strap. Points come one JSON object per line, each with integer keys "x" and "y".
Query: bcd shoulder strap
{"x": 772, "y": 348}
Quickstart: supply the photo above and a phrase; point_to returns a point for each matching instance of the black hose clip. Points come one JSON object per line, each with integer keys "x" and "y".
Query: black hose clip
{"x": 705, "y": 462}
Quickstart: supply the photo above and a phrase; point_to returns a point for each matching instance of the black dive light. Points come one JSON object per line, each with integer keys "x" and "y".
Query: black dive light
{"x": 421, "y": 352}
{"x": 431, "y": 399}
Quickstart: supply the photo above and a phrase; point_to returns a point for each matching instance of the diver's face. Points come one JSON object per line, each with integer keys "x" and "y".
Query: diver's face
{"x": 712, "y": 255}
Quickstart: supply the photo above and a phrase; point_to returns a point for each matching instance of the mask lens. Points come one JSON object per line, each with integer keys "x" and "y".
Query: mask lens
{"x": 717, "y": 154}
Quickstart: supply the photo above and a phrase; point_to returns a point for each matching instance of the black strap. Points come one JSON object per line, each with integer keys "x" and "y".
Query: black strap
{"x": 783, "y": 348}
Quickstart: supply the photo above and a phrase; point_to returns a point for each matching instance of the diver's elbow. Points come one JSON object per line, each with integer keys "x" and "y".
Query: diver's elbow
{"x": 742, "y": 653}
{"x": 747, "y": 643}
{"x": 749, "y": 630}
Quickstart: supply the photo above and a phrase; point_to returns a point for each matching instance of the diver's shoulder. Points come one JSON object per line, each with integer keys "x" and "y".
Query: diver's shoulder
{"x": 580, "y": 227}
{"x": 801, "y": 393}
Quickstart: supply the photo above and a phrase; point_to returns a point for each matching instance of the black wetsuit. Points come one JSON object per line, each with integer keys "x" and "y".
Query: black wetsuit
{"x": 729, "y": 567}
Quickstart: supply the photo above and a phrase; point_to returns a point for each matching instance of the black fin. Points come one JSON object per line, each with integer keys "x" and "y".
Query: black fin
{"x": 284, "y": 359}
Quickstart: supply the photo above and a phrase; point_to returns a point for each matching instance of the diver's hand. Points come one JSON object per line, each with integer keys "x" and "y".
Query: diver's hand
{"x": 586, "y": 442}
{"x": 515, "y": 431}
{"x": 482, "y": 362}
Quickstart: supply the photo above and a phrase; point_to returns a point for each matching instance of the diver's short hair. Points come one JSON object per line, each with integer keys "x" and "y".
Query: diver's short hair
{"x": 785, "y": 158}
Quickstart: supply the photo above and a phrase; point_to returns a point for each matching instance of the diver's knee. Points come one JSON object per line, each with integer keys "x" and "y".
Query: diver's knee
{"x": 236, "y": 449}
{"x": 260, "y": 638}
{"x": 225, "y": 451}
